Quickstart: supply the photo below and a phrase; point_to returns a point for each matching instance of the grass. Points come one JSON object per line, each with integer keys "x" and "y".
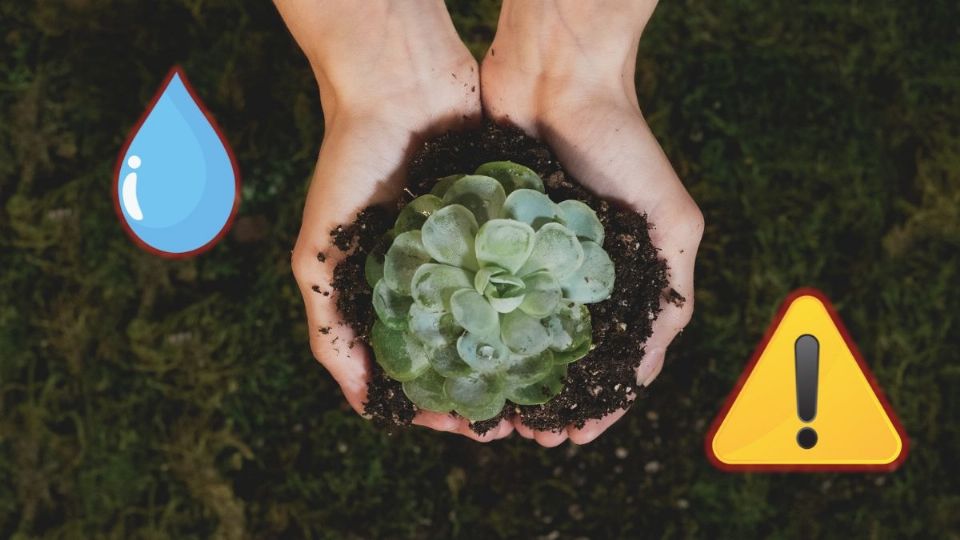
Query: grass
{"x": 178, "y": 399}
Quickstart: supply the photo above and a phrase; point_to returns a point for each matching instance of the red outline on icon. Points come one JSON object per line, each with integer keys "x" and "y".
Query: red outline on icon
{"x": 806, "y": 467}
{"x": 175, "y": 70}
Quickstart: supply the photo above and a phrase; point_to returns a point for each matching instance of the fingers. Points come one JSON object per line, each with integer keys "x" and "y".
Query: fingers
{"x": 438, "y": 421}
{"x": 331, "y": 341}
{"x": 502, "y": 429}
{"x": 594, "y": 428}
{"x": 548, "y": 439}
{"x": 460, "y": 426}
{"x": 678, "y": 228}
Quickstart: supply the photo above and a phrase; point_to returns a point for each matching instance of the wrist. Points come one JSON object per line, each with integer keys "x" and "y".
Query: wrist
{"x": 388, "y": 53}
{"x": 583, "y": 43}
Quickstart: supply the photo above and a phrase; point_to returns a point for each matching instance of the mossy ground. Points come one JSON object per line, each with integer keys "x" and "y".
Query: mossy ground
{"x": 149, "y": 398}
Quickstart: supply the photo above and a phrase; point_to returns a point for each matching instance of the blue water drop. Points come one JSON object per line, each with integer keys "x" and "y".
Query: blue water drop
{"x": 176, "y": 186}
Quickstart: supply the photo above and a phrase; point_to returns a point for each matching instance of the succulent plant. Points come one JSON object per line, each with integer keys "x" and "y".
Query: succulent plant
{"x": 481, "y": 295}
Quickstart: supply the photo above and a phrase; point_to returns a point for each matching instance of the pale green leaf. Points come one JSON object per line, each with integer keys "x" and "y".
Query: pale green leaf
{"x": 484, "y": 354}
{"x": 541, "y": 391}
{"x": 397, "y": 352}
{"x": 416, "y": 212}
{"x": 443, "y": 184}
{"x": 447, "y": 362}
{"x": 433, "y": 284}
{"x": 435, "y": 329}
{"x": 474, "y": 313}
{"x": 504, "y": 243}
{"x": 582, "y": 220}
{"x": 426, "y": 392}
{"x": 542, "y": 294}
{"x": 475, "y": 397}
{"x": 570, "y": 332}
{"x": 448, "y": 236}
{"x": 556, "y": 250}
{"x": 525, "y": 369}
{"x": 391, "y": 307}
{"x": 482, "y": 195}
{"x": 593, "y": 280}
{"x": 530, "y": 207}
{"x": 405, "y": 255}
{"x": 512, "y": 175}
{"x": 504, "y": 292}
{"x": 373, "y": 269}
{"x": 523, "y": 334}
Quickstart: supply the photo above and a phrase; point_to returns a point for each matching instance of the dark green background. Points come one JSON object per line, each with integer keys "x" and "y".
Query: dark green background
{"x": 148, "y": 398}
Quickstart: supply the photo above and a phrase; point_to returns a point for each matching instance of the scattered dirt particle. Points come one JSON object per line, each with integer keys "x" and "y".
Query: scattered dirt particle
{"x": 674, "y": 297}
{"x": 325, "y": 330}
{"x": 316, "y": 289}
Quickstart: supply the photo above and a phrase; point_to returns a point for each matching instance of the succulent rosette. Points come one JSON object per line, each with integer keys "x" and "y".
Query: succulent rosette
{"x": 481, "y": 296}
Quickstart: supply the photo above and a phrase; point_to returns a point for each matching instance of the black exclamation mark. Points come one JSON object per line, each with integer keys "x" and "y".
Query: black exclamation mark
{"x": 807, "y": 358}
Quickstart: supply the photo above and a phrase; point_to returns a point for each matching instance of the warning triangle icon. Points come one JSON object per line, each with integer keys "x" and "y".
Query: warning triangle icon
{"x": 806, "y": 401}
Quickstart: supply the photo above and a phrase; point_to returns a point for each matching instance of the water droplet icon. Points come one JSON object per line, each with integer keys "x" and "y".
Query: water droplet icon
{"x": 176, "y": 181}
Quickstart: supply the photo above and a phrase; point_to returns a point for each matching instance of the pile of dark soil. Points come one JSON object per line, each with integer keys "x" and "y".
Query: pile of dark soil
{"x": 596, "y": 385}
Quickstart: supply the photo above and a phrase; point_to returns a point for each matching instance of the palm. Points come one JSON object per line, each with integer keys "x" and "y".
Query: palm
{"x": 601, "y": 138}
{"x": 361, "y": 162}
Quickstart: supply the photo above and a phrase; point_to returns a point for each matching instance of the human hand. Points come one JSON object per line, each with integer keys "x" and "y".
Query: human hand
{"x": 563, "y": 71}
{"x": 390, "y": 75}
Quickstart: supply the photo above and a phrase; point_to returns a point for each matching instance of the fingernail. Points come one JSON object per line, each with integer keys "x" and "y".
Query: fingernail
{"x": 650, "y": 366}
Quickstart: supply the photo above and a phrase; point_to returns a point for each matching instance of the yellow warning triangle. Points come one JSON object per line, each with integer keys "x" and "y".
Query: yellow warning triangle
{"x": 850, "y": 426}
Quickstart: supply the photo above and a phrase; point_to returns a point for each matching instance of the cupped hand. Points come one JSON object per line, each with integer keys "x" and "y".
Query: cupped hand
{"x": 390, "y": 75}
{"x": 564, "y": 72}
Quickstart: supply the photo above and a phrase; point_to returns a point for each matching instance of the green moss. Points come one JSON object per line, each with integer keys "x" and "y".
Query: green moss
{"x": 148, "y": 398}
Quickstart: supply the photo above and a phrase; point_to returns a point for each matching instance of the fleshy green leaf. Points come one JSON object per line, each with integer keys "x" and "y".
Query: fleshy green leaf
{"x": 435, "y": 329}
{"x": 433, "y": 284}
{"x": 570, "y": 332}
{"x": 482, "y": 195}
{"x": 504, "y": 243}
{"x": 556, "y": 250}
{"x": 474, "y": 313}
{"x": 573, "y": 354}
{"x": 593, "y": 280}
{"x": 512, "y": 175}
{"x": 504, "y": 292}
{"x": 542, "y": 294}
{"x": 523, "y": 334}
{"x": 476, "y": 397}
{"x": 447, "y": 362}
{"x": 405, "y": 255}
{"x": 373, "y": 269}
{"x": 416, "y": 212}
{"x": 483, "y": 275}
{"x": 482, "y": 353}
{"x": 531, "y": 207}
{"x": 582, "y": 220}
{"x": 541, "y": 391}
{"x": 448, "y": 236}
{"x": 443, "y": 184}
{"x": 525, "y": 369}
{"x": 503, "y": 304}
{"x": 398, "y": 353}
{"x": 426, "y": 392}
{"x": 391, "y": 307}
